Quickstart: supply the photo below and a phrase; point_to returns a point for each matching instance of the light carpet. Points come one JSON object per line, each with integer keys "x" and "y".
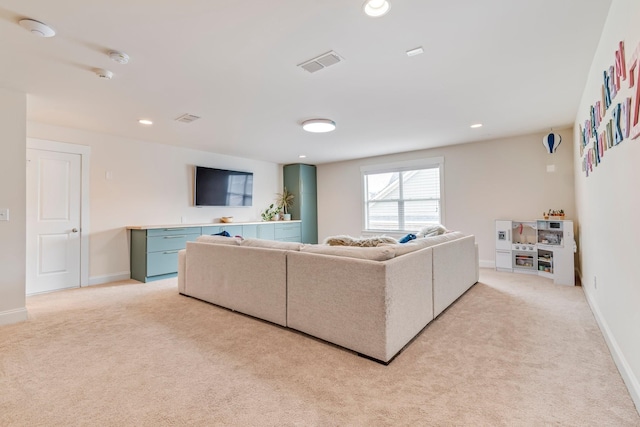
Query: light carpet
{"x": 515, "y": 350}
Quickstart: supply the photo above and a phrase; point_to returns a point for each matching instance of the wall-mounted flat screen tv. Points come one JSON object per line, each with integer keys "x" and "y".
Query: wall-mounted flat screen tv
{"x": 221, "y": 187}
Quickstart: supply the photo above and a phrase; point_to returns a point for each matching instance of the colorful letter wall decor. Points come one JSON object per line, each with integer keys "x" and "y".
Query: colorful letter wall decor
{"x": 624, "y": 120}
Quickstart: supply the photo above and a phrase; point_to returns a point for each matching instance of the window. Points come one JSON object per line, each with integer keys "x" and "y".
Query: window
{"x": 403, "y": 196}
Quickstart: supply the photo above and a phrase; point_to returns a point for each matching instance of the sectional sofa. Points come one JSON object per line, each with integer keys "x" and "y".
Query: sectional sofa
{"x": 373, "y": 301}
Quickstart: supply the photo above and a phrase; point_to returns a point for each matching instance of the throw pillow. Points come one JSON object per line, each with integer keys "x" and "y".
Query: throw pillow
{"x": 431, "y": 230}
{"x": 407, "y": 238}
{"x": 365, "y": 242}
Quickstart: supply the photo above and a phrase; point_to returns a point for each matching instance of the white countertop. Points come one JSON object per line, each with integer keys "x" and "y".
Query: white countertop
{"x": 206, "y": 224}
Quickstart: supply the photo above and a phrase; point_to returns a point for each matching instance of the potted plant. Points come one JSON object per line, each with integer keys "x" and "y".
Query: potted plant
{"x": 285, "y": 200}
{"x": 271, "y": 213}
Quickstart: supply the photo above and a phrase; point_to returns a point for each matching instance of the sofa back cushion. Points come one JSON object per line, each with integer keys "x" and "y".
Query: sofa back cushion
{"x": 219, "y": 240}
{"x": 426, "y": 242}
{"x": 380, "y": 253}
{"x": 271, "y": 244}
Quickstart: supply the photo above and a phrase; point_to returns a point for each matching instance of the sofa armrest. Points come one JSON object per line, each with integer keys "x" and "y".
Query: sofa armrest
{"x": 182, "y": 263}
{"x": 372, "y": 307}
{"x": 455, "y": 270}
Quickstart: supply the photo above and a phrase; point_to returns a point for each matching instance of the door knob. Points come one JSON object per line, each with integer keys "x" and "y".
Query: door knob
{"x": 74, "y": 230}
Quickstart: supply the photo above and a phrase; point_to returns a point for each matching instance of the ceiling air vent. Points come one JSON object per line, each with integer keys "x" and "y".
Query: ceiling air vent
{"x": 187, "y": 118}
{"x": 323, "y": 61}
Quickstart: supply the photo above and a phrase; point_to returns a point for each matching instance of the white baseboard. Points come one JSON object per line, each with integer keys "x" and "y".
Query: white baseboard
{"x": 627, "y": 374}
{"x": 116, "y": 277}
{"x": 13, "y": 316}
{"x": 487, "y": 264}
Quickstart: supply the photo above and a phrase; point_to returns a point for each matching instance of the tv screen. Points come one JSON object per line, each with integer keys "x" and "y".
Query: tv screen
{"x": 221, "y": 187}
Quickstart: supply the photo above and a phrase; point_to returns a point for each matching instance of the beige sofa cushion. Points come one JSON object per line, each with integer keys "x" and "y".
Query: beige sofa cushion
{"x": 380, "y": 253}
{"x": 219, "y": 240}
{"x": 271, "y": 244}
{"x": 426, "y": 242}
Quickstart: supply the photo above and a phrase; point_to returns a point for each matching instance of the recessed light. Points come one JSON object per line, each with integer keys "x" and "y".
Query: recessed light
{"x": 416, "y": 51}
{"x": 37, "y": 28}
{"x": 318, "y": 125}
{"x": 477, "y": 125}
{"x": 145, "y": 122}
{"x": 376, "y": 8}
{"x": 302, "y": 156}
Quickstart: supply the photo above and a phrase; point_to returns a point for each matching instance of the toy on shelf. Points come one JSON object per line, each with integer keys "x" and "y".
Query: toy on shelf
{"x": 554, "y": 214}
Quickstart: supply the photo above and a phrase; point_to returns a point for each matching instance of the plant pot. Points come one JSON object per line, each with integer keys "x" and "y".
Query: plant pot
{"x": 286, "y": 217}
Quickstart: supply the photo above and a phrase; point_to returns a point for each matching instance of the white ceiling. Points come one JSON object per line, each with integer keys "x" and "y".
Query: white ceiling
{"x": 516, "y": 66}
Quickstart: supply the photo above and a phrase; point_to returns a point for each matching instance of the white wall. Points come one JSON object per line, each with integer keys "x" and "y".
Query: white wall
{"x": 151, "y": 185}
{"x": 13, "y": 197}
{"x": 608, "y": 205}
{"x": 484, "y": 181}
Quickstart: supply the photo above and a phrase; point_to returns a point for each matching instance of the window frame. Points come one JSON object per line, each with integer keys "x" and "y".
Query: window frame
{"x": 400, "y": 166}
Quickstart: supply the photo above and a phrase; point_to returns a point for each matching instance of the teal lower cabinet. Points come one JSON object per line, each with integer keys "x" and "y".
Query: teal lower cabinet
{"x": 267, "y": 231}
{"x": 154, "y": 251}
{"x": 250, "y": 231}
{"x": 288, "y": 232}
{"x": 233, "y": 230}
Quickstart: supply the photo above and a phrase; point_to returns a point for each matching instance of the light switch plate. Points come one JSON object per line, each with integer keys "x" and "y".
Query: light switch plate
{"x": 4, "y": 214}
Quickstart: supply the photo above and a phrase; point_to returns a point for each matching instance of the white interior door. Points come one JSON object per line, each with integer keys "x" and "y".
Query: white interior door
{"x": 53, "y": 220}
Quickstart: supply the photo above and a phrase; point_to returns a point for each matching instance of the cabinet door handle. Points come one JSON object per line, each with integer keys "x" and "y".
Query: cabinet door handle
{"x": 173, "y": 229}
{"x": 170, "y": 252}
{"x": 173, "y": 237}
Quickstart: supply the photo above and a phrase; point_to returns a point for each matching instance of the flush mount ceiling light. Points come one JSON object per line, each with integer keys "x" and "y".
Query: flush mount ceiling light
{"x": 376, "y": 8}
{"x": 37, "y": 28}
{"x": 119, "y": 57}
{"x": 318, "y": 125}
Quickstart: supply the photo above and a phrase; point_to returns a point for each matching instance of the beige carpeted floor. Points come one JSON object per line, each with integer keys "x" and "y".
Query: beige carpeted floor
{"x": 513, "y": 351}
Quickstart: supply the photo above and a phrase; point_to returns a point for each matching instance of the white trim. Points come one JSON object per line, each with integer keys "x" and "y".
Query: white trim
{"x": 116, "y": 277}
{"x": 403, "y": 165}
{"x": 630, "y": 380}
{"x": 85, "y": 155}
{"x": 13, "y": 316}
{"x": 424, "y": 163}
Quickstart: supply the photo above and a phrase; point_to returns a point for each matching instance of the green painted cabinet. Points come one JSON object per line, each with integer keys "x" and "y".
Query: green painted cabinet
{"x": 233, "y": 230}
{"x": 287, "y": 231}
{"x": 154, "y": 252}
{"x": 300, "y": 180}
{"x": 267, "y": 231}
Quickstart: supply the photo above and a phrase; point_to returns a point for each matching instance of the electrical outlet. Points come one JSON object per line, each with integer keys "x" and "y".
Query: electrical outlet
{"x": 595, "y": 282}
{"x": 4, "y": 214}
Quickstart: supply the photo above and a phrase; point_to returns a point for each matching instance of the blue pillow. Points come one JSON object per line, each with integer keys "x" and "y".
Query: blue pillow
{"x": 225, "y": 234}
{"x": 409, "y": 237}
